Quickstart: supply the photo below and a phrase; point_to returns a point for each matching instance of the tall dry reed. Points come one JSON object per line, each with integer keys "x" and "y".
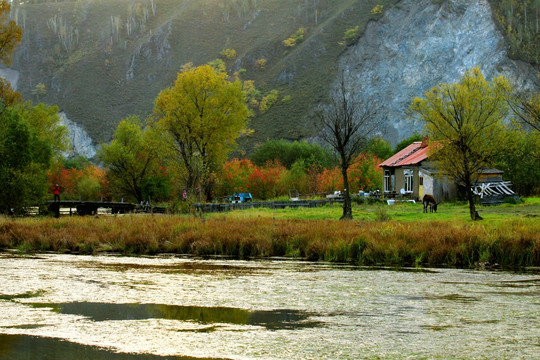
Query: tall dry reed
{"x": 508, "y": 244}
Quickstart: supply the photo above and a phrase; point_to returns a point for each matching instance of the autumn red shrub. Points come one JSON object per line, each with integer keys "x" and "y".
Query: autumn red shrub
{"x": 234, "y": 176}
{"x": 263, "y": 182}
{"x": 365, "y": 173}
{"x": 273, "y": 179}
{"x": 69, "y": 180}
{"x": 329, "y": 180}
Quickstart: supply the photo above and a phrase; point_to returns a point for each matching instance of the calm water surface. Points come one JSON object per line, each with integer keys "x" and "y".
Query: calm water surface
{"x": 106, "y": 307}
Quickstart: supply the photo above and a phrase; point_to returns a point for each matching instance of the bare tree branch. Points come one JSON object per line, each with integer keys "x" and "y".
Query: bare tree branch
{"x": 346, "y": 124}
{"x": 527, "y": 108}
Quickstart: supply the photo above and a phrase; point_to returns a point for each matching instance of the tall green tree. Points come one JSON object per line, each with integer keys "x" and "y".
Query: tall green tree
{"x": 30, "y": 136}
{"x": 131, "y": 158}
{"x": 522, "y": 156}
{"x": 46, "y": 122}
{"x": 465, "y": 119}
{"x": 288, "y": 153}
{"x": 520, "y": 160}
{"x": 201, "y": 117}
{"x": 27, "y": 149}
{"x": 380, "y": 148}
{"x": 78, "y": 162}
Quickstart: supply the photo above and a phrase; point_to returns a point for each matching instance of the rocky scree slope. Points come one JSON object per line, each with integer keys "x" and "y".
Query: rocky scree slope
{"x": 419, "y": 44}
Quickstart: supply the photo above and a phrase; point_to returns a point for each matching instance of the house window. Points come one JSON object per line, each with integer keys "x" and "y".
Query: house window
{"x": 389, "y": 181}
{"x": 408, "y": 174}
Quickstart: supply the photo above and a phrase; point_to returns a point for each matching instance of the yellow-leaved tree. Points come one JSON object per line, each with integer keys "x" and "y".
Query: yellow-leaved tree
{"x": 10, "y": 36}
{"x": 201, "y": 117}
{"x": 466, "y": 121}
{"x": 10, "y": 33}
{"x": 131, "y": 158}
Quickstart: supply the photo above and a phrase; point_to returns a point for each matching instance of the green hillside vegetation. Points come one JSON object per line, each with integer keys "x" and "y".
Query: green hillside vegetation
{"x": 101, "y": 61}
{"x": 520, "y": 22}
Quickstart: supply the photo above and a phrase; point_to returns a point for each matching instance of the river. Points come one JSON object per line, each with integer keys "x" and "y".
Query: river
{"x": 55, "y": 306}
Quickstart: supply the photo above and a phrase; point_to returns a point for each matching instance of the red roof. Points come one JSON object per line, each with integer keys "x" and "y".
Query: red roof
{"x": 411, "y": 155}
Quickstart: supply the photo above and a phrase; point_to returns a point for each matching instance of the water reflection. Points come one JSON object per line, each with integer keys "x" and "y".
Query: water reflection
{"x": 34, "y": 347}
{"x": 193, "y": 267}
{"x": 25, "y": 295}
{"x": 449, "y": 297}
{"x": 271, "y": 319}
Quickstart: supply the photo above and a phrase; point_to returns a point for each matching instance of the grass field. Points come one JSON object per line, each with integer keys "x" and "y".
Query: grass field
{"x": 397, "y": 235}
{"x": 402, "y": 212}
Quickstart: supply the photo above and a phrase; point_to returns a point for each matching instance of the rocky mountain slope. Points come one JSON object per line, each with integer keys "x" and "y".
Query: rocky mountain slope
{"x": 102, "y": 60}
{"x": 420, "y": 43}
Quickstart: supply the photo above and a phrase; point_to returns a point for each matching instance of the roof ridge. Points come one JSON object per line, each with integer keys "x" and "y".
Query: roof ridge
{"x": 408, "y": 154}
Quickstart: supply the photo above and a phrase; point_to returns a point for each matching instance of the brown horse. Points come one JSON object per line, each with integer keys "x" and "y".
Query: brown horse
{"x": 429, "y": 200}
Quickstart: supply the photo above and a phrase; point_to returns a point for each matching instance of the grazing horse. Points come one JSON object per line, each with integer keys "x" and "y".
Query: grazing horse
{"x": 429, "y": 200}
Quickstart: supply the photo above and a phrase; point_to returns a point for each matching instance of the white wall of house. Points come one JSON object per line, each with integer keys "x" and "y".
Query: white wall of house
{"x": 427, "y": 187}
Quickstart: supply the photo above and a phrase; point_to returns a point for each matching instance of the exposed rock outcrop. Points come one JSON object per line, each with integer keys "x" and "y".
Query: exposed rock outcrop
{"x": 82, "y": 143}
{"x": 420, "y": 43}
{"x": 12, "y": 76}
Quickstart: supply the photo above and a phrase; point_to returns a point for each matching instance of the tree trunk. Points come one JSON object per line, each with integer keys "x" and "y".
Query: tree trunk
{"x": 138, "y": 195}
{"x": 190, "y": 182}
{"x": 347, "y": 208}
{"x": 209, "y": 188}
{"x": 472, "y": 206}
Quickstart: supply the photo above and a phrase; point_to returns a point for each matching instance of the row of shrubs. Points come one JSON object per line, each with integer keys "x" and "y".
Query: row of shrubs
{"x": 512, "y": 244}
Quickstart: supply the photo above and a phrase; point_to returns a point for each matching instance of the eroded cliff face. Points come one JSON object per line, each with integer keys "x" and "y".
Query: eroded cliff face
{"x": 81, "y": 141}
{"x": 12, "y": 76}
{"x": 421, "y": 43}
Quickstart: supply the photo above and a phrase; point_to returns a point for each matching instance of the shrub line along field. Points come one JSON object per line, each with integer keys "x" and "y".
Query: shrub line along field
{"x": 398, "y": 235}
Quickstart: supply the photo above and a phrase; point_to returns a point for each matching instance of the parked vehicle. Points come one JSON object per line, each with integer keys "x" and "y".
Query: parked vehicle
{"x": 335, "y": 195}
{"x": 238, "y": 198}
